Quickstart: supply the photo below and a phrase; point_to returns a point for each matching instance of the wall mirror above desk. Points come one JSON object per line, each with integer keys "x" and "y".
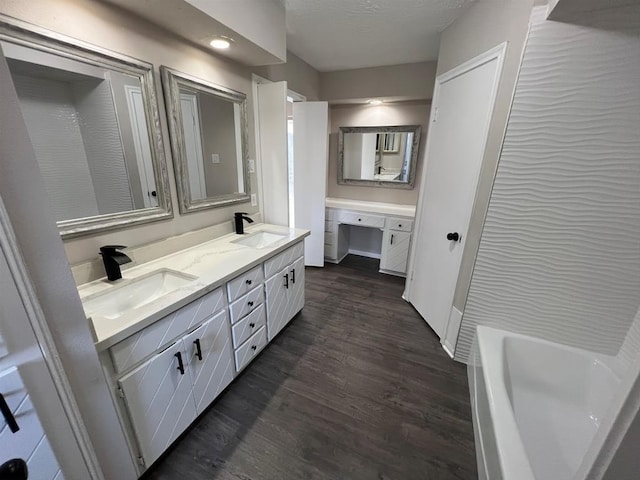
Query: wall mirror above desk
{"x": 208, "y": 129}
{"x": 382, "y": 156}
{"x": 92, "y": 119}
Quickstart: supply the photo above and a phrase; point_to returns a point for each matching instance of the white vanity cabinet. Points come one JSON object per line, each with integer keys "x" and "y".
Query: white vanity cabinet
{"x": 284, "y": 289}
{"x": 392, "y": 247}
{"x": 166, "y": 374}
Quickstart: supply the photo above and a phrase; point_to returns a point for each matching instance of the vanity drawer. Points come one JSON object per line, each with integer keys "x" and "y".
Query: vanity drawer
{"x": 328, "y": 226}
{"x": 277, "y": 263}
{"x": 366, "y": 220}
{"x": 246, "y": 304}
{"x": 138, "y": 346}
{"x": 331, "y": 251}
{"x": 248, "y": 325}
{"x": 399, "y": 224}
{"x": 329, "y": 214}
{"x": 244, "y": 283}
{"x": 250, "y": 348}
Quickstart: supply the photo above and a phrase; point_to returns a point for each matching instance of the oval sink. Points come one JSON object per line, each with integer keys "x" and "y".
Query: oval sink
{"x": 260, "y": 239}
{"x": 135, "y": 293}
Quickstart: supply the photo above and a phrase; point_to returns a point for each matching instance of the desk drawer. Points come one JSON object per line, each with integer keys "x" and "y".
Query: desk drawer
{"x": 329, "y": 238}
{"x": 246, "y": 304}
{"x": 399, "y": 224}
{"x": 366, "y": 220}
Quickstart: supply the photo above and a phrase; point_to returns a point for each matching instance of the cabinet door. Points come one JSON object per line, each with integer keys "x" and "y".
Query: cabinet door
{"x": 210, "y": 359}
{"x": 159, "y": 400}
{"x": 395, "y": 251}
{"x": 296, "y": 292}
{"x": 278, "y": 301}
{"x": 28, "y": 441}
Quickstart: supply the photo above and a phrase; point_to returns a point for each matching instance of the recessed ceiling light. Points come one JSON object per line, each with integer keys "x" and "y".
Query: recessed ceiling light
{"x": 375, "y": 101}
{"x": 221, "y": 43}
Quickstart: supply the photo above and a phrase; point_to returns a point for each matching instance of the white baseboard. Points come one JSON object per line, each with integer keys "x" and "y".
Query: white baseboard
{"x": 363, "y": 253}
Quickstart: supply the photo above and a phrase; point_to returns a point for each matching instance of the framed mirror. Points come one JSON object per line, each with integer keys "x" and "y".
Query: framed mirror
{"x": 92, "y": 118}
{"x": 208, "y": 129}
{"x": 378, "y": 156}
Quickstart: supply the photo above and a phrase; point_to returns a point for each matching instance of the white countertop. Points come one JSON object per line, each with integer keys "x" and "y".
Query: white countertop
{"x": 373, "y": 207}
{"x": 213, "y": 263}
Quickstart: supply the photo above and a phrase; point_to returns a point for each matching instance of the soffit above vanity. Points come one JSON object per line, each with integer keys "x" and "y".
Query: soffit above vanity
{"x": 257, "y": 27}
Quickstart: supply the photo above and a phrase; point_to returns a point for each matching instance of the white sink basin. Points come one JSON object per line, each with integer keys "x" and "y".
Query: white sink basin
{"x": 261, "y": 239}
{"x": 132, "y": 294}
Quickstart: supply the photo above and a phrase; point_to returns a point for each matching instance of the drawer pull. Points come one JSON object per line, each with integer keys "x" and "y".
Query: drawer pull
{"x": 293, "y": 275}
{"x": 8, "y": 415}
{"x": 180, "y": 364}
{"x": 250, "y": 303}
{"x": 392, "y": 239}
{"x": 196, "y": 342}
{"x": 253, "y": 347}
{"x": 359, "y": 219}
{"x": 286, "y": 280}
{"x": 399, "y": 225}
{"x": 248, "y": 282}
{"x": 252, "y": 325}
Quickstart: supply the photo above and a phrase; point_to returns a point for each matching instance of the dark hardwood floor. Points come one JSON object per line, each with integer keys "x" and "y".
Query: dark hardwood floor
{"x": 356, "y": 387}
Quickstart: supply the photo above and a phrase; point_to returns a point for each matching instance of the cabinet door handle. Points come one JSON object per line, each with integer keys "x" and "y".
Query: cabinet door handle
{"x": 180, "y": 364}
{"x": 286, "y": 280}
{"x": 196, "y": 342}
{"x": 293, "y": 275}
{"x": 250, "y": 303}
{"x": 248, "y": 282}
{"x": 253, "y": 347}
{"x": 252, "y": 325}
{"x": 8, "y": 415}
{"x": 392, "y": 239}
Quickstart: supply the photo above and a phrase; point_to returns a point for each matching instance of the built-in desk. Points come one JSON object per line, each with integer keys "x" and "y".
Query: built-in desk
{"x": 371, "y": 229}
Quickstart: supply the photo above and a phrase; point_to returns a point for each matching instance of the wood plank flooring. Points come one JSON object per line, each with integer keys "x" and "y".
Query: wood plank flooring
{"x": 356, "y": 387}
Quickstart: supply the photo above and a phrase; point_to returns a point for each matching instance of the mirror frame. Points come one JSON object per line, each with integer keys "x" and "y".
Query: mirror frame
{"x": 28, "y": 35}
{"x": 415, "y": 129}
{"x": 172, "y": 80}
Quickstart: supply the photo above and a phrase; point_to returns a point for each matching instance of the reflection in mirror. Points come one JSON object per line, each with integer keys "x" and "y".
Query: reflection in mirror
{"x": 208, "y": 138}
{"x": 88, "y": 116}
{"x": 378, "y": 156}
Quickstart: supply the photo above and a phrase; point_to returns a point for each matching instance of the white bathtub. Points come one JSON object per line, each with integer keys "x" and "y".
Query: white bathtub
{"x": 536, "y": 405}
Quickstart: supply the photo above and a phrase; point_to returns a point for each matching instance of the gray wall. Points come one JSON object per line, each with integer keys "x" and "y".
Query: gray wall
{"x": 301, "y": 77}
{"x": 484, "y": 25}
{"x": 218, "y": 136}
{"x": 411, "y": 81}
{"x": 409, "y": 113}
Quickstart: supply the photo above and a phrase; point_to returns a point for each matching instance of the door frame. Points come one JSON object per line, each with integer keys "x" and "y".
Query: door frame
{"x": 11, "y": 251}
{"x": 452, "y": 327}
{"x": 198, "y": 162}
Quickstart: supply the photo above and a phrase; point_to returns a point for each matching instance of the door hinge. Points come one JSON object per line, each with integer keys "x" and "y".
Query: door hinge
{"x": 141, "y": 461}
{"x": 120, "y": 392}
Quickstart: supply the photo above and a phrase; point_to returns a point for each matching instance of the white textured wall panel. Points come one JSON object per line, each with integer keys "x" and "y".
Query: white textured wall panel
{"x": 105, "y": 154}
{"x": 51, "y": 118}
{"x": 560, "y": 252}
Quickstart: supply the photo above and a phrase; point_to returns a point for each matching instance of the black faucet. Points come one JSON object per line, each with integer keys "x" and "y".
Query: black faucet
{"x": 112, "y": 259}
{"x": 239, "y": 217}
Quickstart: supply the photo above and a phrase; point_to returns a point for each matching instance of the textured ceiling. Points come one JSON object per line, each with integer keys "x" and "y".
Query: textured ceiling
{"x": 345, "y": 34}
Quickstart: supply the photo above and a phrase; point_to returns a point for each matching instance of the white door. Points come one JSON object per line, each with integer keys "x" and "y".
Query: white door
{"x": 272, "y": 128}
{"x": 210, "y": 359}
{"x": 310, "y": 145}
{"x": 193, "y": 145}
{"x": 159, "y": 400}
{"x": 463, "y": 104}
{"x": 138, "y": 119}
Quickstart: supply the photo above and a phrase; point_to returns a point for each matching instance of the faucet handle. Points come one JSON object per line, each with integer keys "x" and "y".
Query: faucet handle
{"x": 111, "y": 248}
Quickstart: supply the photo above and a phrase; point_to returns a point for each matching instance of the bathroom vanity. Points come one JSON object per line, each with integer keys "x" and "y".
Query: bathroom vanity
{"x": 174, "y": 332}
{"x": 373, "y": 229}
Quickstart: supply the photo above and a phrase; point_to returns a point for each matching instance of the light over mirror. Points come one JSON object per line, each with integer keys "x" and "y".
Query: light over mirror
{"x": 208, "y": 129}
{"x": 92, "y": 119}
{"x": 378, "y": 156}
